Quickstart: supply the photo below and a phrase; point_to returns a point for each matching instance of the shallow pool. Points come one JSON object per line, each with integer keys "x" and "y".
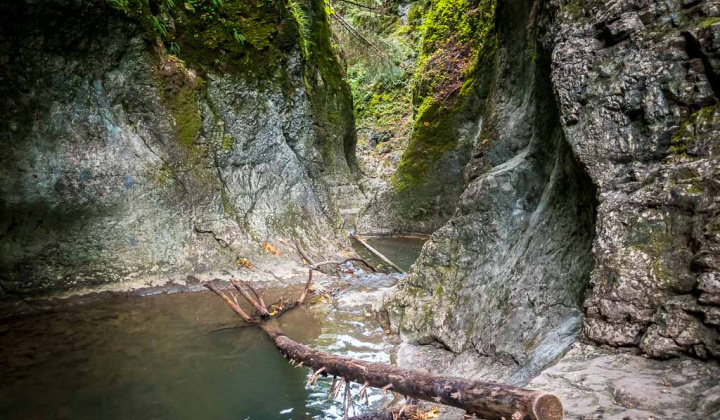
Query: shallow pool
{"x": 180, "y": 356}
{"x": 402, "y": 250}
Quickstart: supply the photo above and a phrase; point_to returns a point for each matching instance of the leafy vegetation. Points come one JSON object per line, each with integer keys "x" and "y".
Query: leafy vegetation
{"x": 303, "y": 24}
{"x": 216, "y": 32}
{"x": 458, "y": 46}
{"x": 379, "y": 75}
{"x": 439, "y": 50}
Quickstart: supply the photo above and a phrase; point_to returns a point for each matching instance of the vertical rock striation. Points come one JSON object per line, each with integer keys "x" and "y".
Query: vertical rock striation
{"x": 506, "y": 276}
{"x": 592, "y": 201}
{"x": 120, "y": 160}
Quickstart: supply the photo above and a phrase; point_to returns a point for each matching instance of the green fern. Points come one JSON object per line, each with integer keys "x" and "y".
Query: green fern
{"x": 121, "y": 5}
{"x": 240, "y": 38}
{"x": 169, "y": 4}
{"x": 159, "y": 26}
{"x": 303, "y": 25}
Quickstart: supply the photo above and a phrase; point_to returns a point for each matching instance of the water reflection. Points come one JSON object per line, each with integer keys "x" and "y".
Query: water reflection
{"x": 170, "y": 356}
{"x": 401, "y": 250}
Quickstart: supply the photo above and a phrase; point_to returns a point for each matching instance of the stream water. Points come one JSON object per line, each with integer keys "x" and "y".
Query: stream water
{"x": 402, "y": 250}
{"x": 176, "y": 356}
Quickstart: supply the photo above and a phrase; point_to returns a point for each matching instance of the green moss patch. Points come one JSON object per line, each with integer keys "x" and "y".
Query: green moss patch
{"x": 458, "y": 48}
{"x": 181, "y": 95}
{"x": 709, "y": 22}
{"x": 432, "y": 137}
{"x": 685, "y": 136}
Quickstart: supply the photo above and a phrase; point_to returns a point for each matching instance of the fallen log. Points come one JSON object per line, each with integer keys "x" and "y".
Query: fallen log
{"x": 487, "y": 400}
{"x": 378, "y": 254}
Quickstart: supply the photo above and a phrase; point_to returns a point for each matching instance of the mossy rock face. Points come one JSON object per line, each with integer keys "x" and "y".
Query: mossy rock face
{"x": 164, "y": 140}
{"x": 449, "y": 87}
{"x": 231, "y": 36}
{"x": 654, "y": 166}
{"x": 253, "y": 40}
{"x": 181, "y": 93}
{"x": 239, "y": 37}
{"x": 330, "y": 97}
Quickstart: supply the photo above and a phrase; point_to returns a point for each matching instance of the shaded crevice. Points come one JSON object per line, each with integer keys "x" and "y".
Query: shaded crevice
{"x": 219, "y": 240}
{"x": 695, "y": 51}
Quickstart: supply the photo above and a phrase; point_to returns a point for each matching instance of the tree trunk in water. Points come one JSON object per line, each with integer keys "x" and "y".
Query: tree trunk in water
{"x": 488, "y": 400}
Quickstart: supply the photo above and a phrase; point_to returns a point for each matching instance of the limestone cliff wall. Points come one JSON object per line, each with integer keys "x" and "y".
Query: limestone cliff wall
{"x": 141, "y": 139}
{"x": 638, "y": 88}
{"x": 592, "y": 208}
{"x": 505, "y": 278}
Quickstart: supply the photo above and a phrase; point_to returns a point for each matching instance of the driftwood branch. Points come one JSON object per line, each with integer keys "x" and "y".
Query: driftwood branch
{"x": 487, "y": 400}
{"x": 358, "y": 4}
{"x": 233, "y": 305}
{"x": 304, "y": 255}
{"x": 261, "y": 309}
{"x": 306, "y": 290}
{"x": 313, "y": 267}
{"x": 258, "y": 295}
{"x": 377, "y": 253}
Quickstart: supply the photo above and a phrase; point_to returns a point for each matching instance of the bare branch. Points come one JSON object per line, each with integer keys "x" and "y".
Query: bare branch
{"x": 332, "y": 387}
{"x": 358, "y": 5}
{"x": 314, "y": 376}
{"x": 354, "y": 32}
{"x": 377, "y": 253}
{"x": 358, "y": 259}
{"x": 347, "y": 400}
{"x": 304, "y": 255}
{"x": 259, "y": 295}
{"x": 260, "y": 309}
{"x": 235, "y": 307}
{"x": 306, "y": 290}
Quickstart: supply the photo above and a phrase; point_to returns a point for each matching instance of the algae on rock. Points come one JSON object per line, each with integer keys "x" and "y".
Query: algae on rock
{"x": 146, "y": 139}
{"x": 450, "y": 85}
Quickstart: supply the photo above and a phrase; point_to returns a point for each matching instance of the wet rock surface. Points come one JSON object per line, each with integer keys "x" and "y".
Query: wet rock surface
{"x": 623, "y": 168}
{"x": 594, "y": 383}
{"x": 505, "y": 278}
{"x": 593, "y": 205}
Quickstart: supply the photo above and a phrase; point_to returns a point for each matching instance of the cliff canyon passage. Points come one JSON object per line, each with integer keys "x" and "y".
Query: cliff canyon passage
{"x": 366, "y": 209}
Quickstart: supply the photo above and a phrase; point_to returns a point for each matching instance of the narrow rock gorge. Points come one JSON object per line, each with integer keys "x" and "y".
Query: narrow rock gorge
{"x": 505, "y": 278}
{"x": 561, "y": 159}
